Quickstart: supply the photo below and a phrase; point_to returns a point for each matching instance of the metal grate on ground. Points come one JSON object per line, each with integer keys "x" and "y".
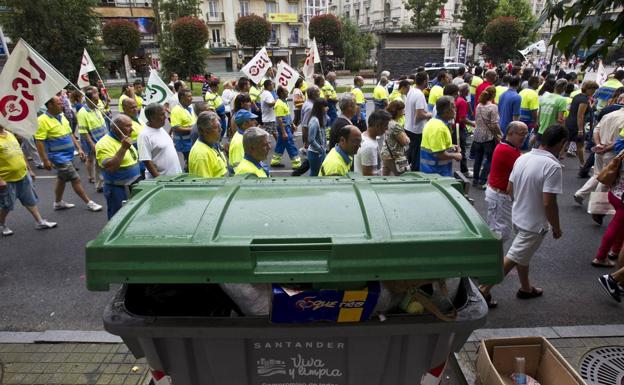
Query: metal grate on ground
{"x": 603, "y": 366}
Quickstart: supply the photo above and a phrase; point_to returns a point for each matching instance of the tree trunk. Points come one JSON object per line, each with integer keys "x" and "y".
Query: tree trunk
{"x": 474, "y": 49}
{"x": 123, "y": 66}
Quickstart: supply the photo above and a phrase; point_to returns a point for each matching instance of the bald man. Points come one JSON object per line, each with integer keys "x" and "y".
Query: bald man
{"x": 118, "y": 159}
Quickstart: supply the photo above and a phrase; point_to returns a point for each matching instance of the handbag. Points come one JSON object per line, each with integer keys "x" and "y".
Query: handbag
{"x": 402, "y": 165}
{"x": 610, "y": 174}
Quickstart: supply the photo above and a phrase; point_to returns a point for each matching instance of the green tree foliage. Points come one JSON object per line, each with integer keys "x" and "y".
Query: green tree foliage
{"x": 425, "y": 13}
{"x": 58, "y": 29}
{"x": 172, "y": 10}
{"x": 187, "y": 56}
{"x": 167, "y": 12}
{"x": 473, "y": 15}
{"x": 252, "y": 31}
{"x": 589, "y": 23}
{"x": 501, "y": 38}
{"x": 521, "y": 10}
{"x": 327, "y": 30}
{"x": 122, "y": 35}
{"x": 355, "y": 45}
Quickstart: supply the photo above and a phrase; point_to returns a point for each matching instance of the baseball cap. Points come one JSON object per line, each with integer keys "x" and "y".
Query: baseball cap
{"x": 243, "y": 115}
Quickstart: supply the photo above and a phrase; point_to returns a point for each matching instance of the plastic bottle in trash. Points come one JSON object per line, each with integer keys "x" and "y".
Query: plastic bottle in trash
{"x": 519, "y": 376}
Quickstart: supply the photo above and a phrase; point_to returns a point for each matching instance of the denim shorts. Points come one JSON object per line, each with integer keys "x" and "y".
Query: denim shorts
{"x": 22, "y": 189}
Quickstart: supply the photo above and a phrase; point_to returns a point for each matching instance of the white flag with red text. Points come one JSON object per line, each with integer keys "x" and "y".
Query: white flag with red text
{"x": 312, "y": 57}
{"x": 86, "y": 66}
{"x": 258, "y": 66}
{"x": 286, "y": 76}
{"x": 27, "y": 82}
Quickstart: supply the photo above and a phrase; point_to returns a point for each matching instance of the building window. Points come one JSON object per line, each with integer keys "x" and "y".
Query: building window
{"x": 387, "y": 10}
{"x": 457, "y": 8}
{"x": 293, "y": 8}
{"x": 294, "y": 34}
{"x": 357, "y": 16}
{"x": 244, "y": 8}
{"x": 271, "y": 7}
{"x": 212, "y": 9}
{"x": 274, "y": 33}
{"x": 216, "y": 35}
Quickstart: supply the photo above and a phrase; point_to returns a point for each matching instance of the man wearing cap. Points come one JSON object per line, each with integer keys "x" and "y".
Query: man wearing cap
{"x": 244, "y": 120}
{"x": 339, "y": 160}
{"x": 257, "y": 146}
{"x": 118, "y": 159}
{"x": 207, "y": 159}
{"x": 182, "y": 120}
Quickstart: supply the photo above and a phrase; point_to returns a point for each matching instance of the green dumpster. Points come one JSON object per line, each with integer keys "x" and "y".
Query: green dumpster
{"x": 197, "y": 233}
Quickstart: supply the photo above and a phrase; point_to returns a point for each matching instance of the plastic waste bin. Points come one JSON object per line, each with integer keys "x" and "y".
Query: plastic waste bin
{"x": 192, "y": 234}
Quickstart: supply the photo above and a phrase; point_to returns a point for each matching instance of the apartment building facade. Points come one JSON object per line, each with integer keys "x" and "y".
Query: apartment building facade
{"x": 141, "y": 13}
{"x": 289, "y": 32}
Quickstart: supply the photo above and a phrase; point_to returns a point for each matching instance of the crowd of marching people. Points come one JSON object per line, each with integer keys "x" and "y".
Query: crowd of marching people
{"x": 514, "y": 125}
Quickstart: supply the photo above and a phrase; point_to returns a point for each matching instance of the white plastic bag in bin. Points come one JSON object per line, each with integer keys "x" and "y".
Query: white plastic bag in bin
{"x": 252, "y": 299}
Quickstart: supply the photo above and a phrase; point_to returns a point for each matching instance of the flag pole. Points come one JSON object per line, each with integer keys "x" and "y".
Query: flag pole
{"x": 31, "y": 49}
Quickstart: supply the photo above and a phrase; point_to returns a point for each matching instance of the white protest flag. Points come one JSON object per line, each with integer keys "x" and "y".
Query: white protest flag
{"x": 286, "y": 76}
{"x": 308, "y": 66}
{"x": 314, "y": 48}
{"x": 86, "y": 66}
{"x": 157, "y": 92}
{"x": 540, "y": 46}
{"x": 258, "y": 66}
{"x": 26, "y": 83}
{"x": 601, "y": 74}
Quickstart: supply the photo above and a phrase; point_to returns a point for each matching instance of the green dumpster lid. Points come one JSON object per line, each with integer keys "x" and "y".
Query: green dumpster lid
{"x": 185, "y": 230}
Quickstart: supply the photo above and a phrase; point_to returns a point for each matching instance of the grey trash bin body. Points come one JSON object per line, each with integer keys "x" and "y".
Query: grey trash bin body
{"x": 401, "y": 350}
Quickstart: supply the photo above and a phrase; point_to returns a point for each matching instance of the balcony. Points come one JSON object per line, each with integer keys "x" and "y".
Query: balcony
{"x": 126, "y": 3}
{"x": 214, "y": 17}
{"x": 367, "y": 3}
{"x": 295, "y": 43}
{"x": 218, "y": 44}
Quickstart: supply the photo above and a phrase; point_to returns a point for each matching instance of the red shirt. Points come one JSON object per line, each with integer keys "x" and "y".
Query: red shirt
{"x": 503, "y": 160}
{"x": 461, "y": 108}
{"x": 480, "y": 89}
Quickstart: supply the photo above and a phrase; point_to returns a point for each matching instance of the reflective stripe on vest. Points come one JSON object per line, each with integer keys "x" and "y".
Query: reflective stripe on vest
{"x": 99, "y": 133}
{"x": 61, "y": 144}
{"x": 122, "y": 177}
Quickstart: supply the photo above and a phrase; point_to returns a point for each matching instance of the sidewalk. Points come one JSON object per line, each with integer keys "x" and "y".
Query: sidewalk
{"x": 85, "y": 358}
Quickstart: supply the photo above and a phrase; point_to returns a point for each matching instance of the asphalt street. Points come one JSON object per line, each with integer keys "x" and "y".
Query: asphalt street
{"x": 42, "y": 282}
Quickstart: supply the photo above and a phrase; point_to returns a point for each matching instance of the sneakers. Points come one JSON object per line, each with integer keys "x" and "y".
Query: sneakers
{"x": 62, "y": 205}
{"x": 92, "y": 206}
{"x": 5, "y": 231}
{"x": 44, "y": 225}
{"x": 578, "y": 199}
{"x": 610, "y": 286}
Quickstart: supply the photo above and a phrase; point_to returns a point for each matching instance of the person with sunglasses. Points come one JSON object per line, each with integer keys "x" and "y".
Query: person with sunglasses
{"x": 118, "y": 159}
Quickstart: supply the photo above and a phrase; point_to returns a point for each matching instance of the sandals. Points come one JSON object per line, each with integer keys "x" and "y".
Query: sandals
{"x": 91, "y": 180}
{"x": 603, "y": 263}
{"x": 535, "y": 292}
{"x": 491, "y": 304}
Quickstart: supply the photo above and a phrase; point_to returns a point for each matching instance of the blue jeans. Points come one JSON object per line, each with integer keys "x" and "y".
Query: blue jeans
{"x": 483, "y": 151}
{"x": 114, "y": 195}
{"x": 286, "y": 144}
{"x": 315, "y": 160}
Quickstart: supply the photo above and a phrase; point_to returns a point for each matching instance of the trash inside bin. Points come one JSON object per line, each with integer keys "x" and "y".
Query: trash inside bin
{"x": 184, "y": 240}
